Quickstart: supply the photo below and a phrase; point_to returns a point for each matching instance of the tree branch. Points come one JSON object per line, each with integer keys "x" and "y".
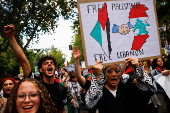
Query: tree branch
{"x": 31, "y": 37}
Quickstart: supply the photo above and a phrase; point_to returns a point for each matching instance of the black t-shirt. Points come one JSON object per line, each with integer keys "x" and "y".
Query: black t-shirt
{"x": 58, "y": 92}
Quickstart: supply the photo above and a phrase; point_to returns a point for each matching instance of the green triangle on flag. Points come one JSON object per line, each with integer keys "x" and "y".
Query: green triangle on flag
{"x": 96, "y": 33}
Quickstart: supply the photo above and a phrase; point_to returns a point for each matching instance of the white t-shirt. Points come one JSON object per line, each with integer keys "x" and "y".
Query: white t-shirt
{"x": 113, "y": 92}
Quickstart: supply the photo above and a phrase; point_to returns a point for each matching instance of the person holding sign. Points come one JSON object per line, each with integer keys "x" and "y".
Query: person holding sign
{"x": 109, "y": 91}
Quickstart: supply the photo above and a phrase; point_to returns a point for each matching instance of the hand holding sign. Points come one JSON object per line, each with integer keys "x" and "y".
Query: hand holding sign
{"x": 165, "y": 72}
{"x": 132, "y": 61}
{"x": 98, "y": 69}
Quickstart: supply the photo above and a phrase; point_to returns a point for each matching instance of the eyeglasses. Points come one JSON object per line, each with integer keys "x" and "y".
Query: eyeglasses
{"x": 20, "y": 97}
{"x": 110, "y": 71}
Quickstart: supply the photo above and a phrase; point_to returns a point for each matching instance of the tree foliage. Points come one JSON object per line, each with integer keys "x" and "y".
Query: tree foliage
{"x": 31, "y": 19}
{"x": 163, "y": 13}
{"x": 60, "y": 57}
{"x": 7, "y": 60}
{"x": 56, "y": 53}
{"x": 77, "y": 40}
{"x": 31, "y": 56}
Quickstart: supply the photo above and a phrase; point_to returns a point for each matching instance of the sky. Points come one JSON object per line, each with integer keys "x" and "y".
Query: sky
{"x": 61, "y": 39}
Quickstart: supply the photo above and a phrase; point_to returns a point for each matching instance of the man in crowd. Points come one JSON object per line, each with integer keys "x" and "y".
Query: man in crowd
{"x": 46, "y": 66}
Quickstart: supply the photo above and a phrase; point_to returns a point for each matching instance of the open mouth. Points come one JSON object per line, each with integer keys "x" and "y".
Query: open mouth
{"x": 114, "y": 80}
{"x": 49, "y": 69}
{"x": 27, "y": 107}
{"x": 8, "y": 89}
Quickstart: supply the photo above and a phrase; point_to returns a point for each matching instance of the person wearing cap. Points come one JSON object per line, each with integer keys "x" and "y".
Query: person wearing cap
{"x": 109, "y": 91}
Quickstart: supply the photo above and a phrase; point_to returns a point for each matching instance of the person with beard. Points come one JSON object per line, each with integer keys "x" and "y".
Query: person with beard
{"x": 46, "y": 66}
{"x": 7, "y": 83}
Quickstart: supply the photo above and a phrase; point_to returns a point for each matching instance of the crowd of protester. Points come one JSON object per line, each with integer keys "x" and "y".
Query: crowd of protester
{"x": 128, "y": 87}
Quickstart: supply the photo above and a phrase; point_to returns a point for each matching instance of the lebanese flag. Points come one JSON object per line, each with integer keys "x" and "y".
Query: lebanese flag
{"x": 138, "y": 11}
{"x": 138, "y": 17}
{"x": 139, "y": 41}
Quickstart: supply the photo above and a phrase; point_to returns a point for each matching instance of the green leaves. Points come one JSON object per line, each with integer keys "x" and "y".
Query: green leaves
{"x": 31, "y": 19}
{"x": 60, "y": 57}
{"x": 77, "y": 41}
{"x": 163, "y": 13}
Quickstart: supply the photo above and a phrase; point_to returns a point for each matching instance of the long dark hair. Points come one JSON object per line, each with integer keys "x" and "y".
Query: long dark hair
{"x": 154, "y": 64}
{"x": 148, "y": 63}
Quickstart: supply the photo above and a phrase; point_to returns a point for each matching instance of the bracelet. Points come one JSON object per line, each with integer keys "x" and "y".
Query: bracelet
{"x": 9, "y": 35}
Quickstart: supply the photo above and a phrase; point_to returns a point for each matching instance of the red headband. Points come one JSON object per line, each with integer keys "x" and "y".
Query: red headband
{"x": 7, "y": 78}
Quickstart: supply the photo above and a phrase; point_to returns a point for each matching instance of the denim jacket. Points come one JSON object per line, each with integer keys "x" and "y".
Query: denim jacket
{"x": 155, "y": 72}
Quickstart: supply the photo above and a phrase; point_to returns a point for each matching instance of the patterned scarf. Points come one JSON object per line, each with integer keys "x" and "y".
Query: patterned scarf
{"x": 95, "y": 92}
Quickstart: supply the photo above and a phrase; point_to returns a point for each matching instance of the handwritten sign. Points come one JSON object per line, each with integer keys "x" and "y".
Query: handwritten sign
{"x": 114, "y": 30}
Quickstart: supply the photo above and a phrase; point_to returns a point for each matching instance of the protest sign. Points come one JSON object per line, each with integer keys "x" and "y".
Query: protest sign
{"x": 164, "y": 82}
{"x": 83, "y": 64}
{"x": 113, "y": 30}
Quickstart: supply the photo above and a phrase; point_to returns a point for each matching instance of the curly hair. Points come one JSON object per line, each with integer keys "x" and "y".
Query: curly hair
{"x": 46, "y": 104}
{"x": 44, "y": 58}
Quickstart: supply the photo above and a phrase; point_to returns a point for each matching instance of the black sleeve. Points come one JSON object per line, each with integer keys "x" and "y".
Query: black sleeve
{"x": 87, "y": 85}
{"x": 29, "y": 76}
{"x": 65, "y": 93}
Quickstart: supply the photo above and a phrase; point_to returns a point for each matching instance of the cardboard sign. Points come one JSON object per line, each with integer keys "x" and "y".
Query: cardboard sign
{"x": 83, "y": 64}
{"x": 85, "y": 72}
{"x": 113, "y": 30}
